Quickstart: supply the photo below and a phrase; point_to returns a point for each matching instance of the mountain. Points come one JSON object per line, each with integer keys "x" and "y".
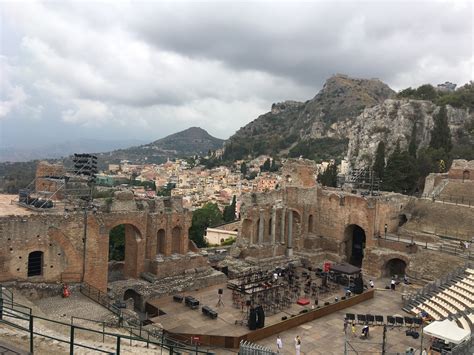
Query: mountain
{"x": 321, "y": 121}
{"x": 192, "y": 141}
{"x": 350, "y": 116}
{"x": 63, "y": 149}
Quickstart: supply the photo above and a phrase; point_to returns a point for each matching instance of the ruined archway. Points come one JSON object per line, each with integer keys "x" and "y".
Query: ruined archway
{"x": 354, "y": 237}
{"x": 246, "y": 232}
{"x": 402, "y": 219}
{"x": 310, "y": 224}
{"x": 176, "y": 236}
{"x": 123, "y": 257}
{"x": 394, "y": 267}
{"x": 137, "y": 298}
{"x": 466, "y": 175}
{"x": 161, "y": 242}
{"x": 35, "y": 263}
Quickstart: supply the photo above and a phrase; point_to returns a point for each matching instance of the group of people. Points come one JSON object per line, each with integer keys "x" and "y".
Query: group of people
{"x": 365, "y": 329}
{"x": 279, "y": 344}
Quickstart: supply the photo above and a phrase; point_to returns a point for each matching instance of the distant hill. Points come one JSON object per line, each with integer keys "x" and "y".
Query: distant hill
{"x": 192, "y": 141}
{"x": 63, "y": 149}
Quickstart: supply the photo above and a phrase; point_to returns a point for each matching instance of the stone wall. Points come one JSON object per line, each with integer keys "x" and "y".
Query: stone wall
{"x": 60, "y": 238}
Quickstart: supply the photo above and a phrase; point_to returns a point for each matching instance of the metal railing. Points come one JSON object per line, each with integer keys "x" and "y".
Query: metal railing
{"x": 248, "y": 348}
{"x": 452, "y": 199}
{"x": 465, "y": 348}
{"x": 76, "y": 336}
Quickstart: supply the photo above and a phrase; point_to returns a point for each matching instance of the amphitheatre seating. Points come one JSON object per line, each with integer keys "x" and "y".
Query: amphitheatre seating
{"x": 453, "y": 300}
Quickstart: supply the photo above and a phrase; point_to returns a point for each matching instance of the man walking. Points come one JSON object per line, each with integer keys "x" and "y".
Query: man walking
{"x": 279, "y": 344}
{"x": 297, "y": 345}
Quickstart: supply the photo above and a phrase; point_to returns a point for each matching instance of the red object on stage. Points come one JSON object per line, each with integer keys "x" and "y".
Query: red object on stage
{"x": 326, "y": 266}
{"x": 303, "y": 301}
{"x": 66, "y": 292}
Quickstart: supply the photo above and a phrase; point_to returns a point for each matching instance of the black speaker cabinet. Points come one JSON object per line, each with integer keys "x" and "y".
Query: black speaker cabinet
{"x": 252, "y": 319}
{"x": 221, "y": 291}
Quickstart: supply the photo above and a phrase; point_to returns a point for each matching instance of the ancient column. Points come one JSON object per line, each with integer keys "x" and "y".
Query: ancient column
{"x": 261, "y": 227}
{"x": 273, "y": 230}
{"x": 289, "y": 247}
{"x": 282, "y": 231}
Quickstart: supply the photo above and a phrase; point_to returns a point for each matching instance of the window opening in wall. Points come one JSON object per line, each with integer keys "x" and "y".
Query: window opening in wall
{"x": 35, "y": 263}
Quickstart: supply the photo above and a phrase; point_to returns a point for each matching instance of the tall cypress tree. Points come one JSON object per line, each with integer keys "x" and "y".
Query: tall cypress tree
{"x": 441, "y": 135}
{"x": 400, "y": 173}
{"x": 412, "y": 146}
{"x": 379, "y": 161}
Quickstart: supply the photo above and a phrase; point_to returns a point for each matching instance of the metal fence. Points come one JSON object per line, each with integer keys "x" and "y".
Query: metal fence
{"x": 248, "y": 348}
{"x": 457, "y": 200}
{"x": 77, "y": 336}
{"x": 465, "y": 348}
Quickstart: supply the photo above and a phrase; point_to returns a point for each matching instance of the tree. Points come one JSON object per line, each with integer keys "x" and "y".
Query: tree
{"x": 229, "y": 211}
{"x": 441, "y": 135}
{"x": 329, "y": 176}
{"x": 117, "y": 243}
{"x": 204, "y": 217}
{"x": 412, "y": 145}
{"x": 274, "y": 166}
{"x": 400, "y": 173}
{"x": 266, "y": 165}
{"x": 379, "y": 161}
{"x": 243, "y": 168}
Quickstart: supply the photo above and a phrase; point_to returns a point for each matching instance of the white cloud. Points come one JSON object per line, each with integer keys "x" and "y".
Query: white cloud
{"x": 154, "y": 68}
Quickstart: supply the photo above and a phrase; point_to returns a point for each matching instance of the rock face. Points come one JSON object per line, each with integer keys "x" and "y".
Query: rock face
{"x": 359, "y": 111}
{"x": 393, "y": 121}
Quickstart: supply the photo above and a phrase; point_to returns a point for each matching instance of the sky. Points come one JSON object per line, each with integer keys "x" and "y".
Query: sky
{"x": 146, "y": 69}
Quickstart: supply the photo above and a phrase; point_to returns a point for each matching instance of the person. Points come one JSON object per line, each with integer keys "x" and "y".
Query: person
{"x": 279, "y": 344}
{"x": 410, "y": 352}
{"x": 353, "y": 329}
{"x": 405, "y": 280}
{"x": 346, "y": 323}
{"x": 297, "y": 345}
{"x": 371, "y": 283}
{"x": 392, "y": 284}
{"x": 424, "y": 352}
{"x": 365, "y": 331}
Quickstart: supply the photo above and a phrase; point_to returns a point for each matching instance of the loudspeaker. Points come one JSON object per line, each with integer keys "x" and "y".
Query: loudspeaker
{"x": 284, "y": 318}
{"x": 221, "y": 291}
{"x": 326, "y": 303}
{"x": 248, "y": 303}
{"x": 260, "y": 317}
{"x": 252, "y": 319}
{"x": 358, "y": 285}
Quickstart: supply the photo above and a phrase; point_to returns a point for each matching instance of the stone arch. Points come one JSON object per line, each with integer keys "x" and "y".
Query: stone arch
{"x": 133, "y": 253}
{"x": 176, "y": 240}
{"x": 310, "y": 223}
{"x": 402, "y": 219}
{"x": 137, "y": 298}
{"x": 296, "y": 224}
{"x": 161, "y": 242}
{"x": 246, "y": 232}
{"x": 466, "y": 175}
{"x": 355, "y": 239}
{"x": 394, "y": 266}
{"x": 35, "y": 263}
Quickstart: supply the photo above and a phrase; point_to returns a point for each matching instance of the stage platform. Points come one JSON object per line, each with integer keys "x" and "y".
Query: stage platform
{"x": 185, "y": 322}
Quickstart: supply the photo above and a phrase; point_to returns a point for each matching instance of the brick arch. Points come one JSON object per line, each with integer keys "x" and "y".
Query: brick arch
{"x": 177, "y": 236}
{"x": 134, "y": 248}
{"x": 246, "y": 229}
{"x": 161, "y": 241}
{"x": 388, "y": 263}
{"x": 355, "y": 239}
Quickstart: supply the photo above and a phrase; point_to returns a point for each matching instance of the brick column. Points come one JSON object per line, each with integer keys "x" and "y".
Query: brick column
{"x": 261, "y": 227}
{"x": 273, "y": 230}
{"x": 282, "y": 230}
{"x": 289, "y": 247}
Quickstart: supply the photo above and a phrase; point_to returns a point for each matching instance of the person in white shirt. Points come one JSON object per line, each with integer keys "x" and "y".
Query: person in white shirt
{"x": 279, "y": 344}
{"x": 392, "y": 284}
{"x": 371, "y": 283}
{"x": 297, "y": 345}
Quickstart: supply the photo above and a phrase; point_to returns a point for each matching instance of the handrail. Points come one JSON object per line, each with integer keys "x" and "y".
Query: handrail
{"x": 8, "y": 310}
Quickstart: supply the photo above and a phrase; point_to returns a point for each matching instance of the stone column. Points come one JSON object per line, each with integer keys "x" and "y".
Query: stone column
{"x": 273, "y": 230}
{"x": 289, "y": 247}
{"x": 282, "y": 231}
{"x": 261, "y": 227}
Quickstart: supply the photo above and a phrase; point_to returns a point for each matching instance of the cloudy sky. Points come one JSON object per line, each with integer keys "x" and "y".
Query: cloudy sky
{"x": 143, "y": 69}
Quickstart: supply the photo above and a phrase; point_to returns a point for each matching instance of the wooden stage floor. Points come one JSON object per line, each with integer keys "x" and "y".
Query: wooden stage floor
{"x": 182, "y": 319}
